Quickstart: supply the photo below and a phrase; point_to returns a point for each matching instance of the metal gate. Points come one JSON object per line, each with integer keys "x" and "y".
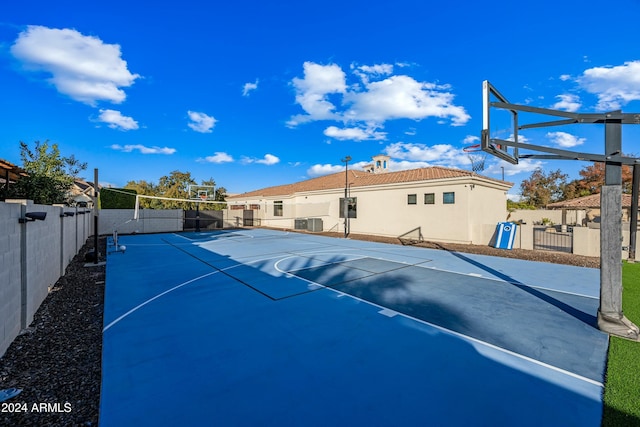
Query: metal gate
{"x": 553, "y": 239}
{"x": 208, "y": 219}
{"x": 247, "y": 218}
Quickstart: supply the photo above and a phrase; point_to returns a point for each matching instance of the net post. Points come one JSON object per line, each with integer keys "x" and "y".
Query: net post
{"x": 136, "y": 210}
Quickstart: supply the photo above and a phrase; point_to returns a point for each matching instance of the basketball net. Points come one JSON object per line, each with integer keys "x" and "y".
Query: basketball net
{"x": 476, "y": 156}
{"x": 477, "y": 161}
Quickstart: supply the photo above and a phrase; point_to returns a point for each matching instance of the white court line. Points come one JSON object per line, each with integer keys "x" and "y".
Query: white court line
{"x": 515, "y": 282}
{"x": 383, "y": 310}
{"x": 322, "y": 263}
{"x": 139, "y": 306}
{"x": 425, "y": 260}
{"x": 484, "y": 343}
{"x": 232, "y": 235}
{"x": 429, "y": 267}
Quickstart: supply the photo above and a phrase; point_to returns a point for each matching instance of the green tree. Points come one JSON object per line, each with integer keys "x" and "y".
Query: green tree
{"x": 592, "y": 179}
{"x": 542, "y": 188}
{"x": 175, "y": 186}
{"x": 145, "y": 188}
{"x": 50, "y": 176}
{"x": 220, "y": 192}
{"x": 511, "y": 205}
{"x": 575, "y": 189}
{"x": 117, "y": 198}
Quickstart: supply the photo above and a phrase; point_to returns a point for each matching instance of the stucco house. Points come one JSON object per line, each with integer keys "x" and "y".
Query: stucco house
{"x": 81, "y": 193}
{"x": 441, "y": 204}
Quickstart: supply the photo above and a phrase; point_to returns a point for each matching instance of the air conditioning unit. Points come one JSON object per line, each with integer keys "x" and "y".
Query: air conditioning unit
{"x": 314, "y": 224}
{"x": 300, "y": 224}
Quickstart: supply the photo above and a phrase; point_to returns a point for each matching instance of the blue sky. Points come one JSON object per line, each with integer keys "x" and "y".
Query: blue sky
{"x": 255, "y": 93}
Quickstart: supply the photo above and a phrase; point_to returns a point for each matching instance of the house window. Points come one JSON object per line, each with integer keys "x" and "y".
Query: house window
{"x": 412, "y": 199}
{"x": 277, "y": 208}
{"x": 429, "y": 198}
{"x": 352, "y": 207}
{"x": 449, "y": 198}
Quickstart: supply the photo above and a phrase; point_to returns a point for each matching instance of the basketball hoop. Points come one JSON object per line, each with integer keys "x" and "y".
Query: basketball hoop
{"x": 201, "y": 193}
{"x": 476, "y": 156}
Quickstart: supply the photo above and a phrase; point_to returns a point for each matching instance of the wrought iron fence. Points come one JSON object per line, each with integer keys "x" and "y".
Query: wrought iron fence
{"x": 556, "y": 238}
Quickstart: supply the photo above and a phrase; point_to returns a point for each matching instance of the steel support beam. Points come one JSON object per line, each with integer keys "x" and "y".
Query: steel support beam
{"x": 611, "y": 318}
{"x": 633, "y": 227}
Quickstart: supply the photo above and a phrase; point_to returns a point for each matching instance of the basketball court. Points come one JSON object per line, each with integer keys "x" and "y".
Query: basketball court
{"x": 262, "y": 327}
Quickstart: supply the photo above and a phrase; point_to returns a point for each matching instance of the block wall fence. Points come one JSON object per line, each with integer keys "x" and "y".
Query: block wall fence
{"x": 33, "y": 256}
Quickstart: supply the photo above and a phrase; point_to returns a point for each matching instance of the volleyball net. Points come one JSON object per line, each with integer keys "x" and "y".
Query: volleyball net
{"x": 157, "y": 214}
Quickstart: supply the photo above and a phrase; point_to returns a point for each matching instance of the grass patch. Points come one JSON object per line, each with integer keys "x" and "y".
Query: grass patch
{"x": 622, "y": 388}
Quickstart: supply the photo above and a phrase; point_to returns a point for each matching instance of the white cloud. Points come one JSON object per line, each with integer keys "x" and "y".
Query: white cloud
{"x": 378, "y": 69}
{"x": 471, "y": 139}
{"x": 564, "y": 139}
{"x": 440, "y": 154}
{"x": 614, "y": 86}
{"x": 143, "y": 149}
{"x": 402, "y": 165}
{"x": 326, "y": 169}
{"x": 373, "y": 102}
{"x": 567, "y": 102}
{"x": 403, "y": 97}
{"x": 393, "y": 166}
{"x": 200, "y": 122}
{"x": 248, "y": 87}
{"x": 354, "y": 134}
{"x": 524, "y": 165}
{"x": 366, "y": 72}
{"x": 312, "y": 92}
{"x": 82, "y": 67}
{"x": 565, "y": 77}
{"x": 116, "y": 120}
{"x": 268, "y": 159}
{"x": 218, "y": 157}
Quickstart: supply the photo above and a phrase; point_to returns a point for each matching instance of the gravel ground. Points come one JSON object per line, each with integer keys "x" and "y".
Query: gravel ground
{"x": 542, "y": 256}
{"x": 57, "y": 359}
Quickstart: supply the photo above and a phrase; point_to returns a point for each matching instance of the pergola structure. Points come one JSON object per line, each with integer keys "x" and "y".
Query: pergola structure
{"x": 9, "y": 173}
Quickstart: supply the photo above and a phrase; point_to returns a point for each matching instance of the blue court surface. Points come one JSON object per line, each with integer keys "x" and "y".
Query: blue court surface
{"x": 268, "y": 328}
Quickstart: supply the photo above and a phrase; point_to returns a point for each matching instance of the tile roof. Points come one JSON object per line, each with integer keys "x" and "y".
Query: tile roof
{"x": 359, "y": 178}
{"x": 587, "y": 202}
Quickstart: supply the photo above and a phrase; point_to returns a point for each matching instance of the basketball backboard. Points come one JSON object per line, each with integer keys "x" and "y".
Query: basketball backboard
{"x": 202, "y": 192}
{"x": 499, "y": 125}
